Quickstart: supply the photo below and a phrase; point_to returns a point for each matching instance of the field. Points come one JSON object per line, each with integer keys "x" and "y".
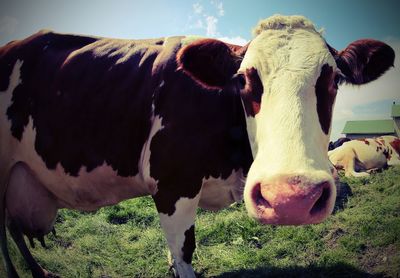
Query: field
{"x": 361, "y": 239}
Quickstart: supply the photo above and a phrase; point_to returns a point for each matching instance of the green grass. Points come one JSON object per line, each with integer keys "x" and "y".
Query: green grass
{"x": 362, "y": 239}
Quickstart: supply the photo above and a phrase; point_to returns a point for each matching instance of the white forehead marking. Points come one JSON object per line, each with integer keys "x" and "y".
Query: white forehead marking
{"x": 279, "y": 22}
{"x": 289, "y": 44}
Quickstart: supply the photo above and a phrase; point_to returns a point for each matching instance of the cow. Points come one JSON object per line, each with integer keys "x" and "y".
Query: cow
{"x": 359, "y": 157}
{"x": 338, "y": 143}
{"x": 87, "y": 122}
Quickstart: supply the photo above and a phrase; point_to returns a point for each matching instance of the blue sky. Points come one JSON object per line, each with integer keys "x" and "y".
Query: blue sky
{"x": 343, "y": 21}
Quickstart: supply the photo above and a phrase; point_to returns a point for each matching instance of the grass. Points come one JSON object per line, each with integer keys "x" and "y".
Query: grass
{"x": 361, "y": 239}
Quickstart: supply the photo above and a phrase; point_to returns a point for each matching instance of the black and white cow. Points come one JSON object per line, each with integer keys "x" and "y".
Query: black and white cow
{"x": 86, "y": 122}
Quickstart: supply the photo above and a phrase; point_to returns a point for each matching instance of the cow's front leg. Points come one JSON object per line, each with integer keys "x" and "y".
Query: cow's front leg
{"x": 177, "y": 221}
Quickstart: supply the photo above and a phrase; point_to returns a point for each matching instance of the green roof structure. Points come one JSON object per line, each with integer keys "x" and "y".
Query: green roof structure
{"x": 369, "y": 127}
{"x": 395, "y": 110}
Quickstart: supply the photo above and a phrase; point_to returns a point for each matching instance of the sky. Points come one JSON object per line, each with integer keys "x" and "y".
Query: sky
{"x": 343, "y": 21}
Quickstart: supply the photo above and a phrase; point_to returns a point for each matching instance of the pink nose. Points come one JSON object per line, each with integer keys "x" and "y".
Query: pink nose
{"x": 292, "y": 203}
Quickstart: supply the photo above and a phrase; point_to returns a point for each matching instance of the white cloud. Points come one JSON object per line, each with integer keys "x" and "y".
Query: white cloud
{"x": 197, "y": 8}
{"x": 351, "y": 99}
{"x": 220, "y": 8}
{"x": 211, "y": 25}
{"x": 199, "y": 24}
{"x": 234, "y": 40}
{"x": 8, "y": 25}
{"x": 206, "y": 19}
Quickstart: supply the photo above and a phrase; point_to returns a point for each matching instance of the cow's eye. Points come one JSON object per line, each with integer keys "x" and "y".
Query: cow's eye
{"x": 240, "y": 79}
{"x": 339, "y": 78}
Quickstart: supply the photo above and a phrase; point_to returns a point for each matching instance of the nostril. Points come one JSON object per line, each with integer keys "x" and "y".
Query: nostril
{"x": 258, "y": 198}
{"x": 322, "y": 201}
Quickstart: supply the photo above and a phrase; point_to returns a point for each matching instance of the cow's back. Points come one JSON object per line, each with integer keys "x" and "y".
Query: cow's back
{"x": 88, "y": 98}
{"x": 79, "y": 106}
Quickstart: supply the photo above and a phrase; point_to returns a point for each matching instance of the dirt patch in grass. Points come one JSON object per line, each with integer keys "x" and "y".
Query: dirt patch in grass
{"x": 381, "y": 260}
{"x": 333, "y": 236}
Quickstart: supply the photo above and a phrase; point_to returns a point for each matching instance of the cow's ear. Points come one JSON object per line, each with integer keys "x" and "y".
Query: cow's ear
{"x": 209, "y": 62}
{"x": 364, "y": 60}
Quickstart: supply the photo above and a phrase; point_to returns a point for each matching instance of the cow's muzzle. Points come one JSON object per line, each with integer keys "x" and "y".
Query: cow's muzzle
{"x": 292, "y": 202}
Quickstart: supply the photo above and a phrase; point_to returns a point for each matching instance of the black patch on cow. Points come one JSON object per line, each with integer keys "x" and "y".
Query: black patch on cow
{"x": 90, "y": 106}
{"x": 204, "y": 134}
{"x": 325, "y": 97}
{"x": 386, "y": 153}
{"x": 338, "y": 143}
{"x": 189, "y": 245}
{"x": 32, "y": 48}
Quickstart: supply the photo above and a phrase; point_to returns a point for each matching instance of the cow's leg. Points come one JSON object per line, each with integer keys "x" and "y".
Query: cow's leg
{"x": 36, "y": 270}
{"x": 178, "y": 226}
{"x": 373, "y": 170}
{"x": 350, "y": 169}
{"x": 11, "y": 272}
{"x": 31, "y": 210}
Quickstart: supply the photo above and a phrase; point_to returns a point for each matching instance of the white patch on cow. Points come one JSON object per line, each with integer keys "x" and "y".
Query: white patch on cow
{"x": 166, "y": 41}
{"x": 15, "y": 80}
{"x": 5, "y": 124}
{"x": 144, "y": 162}
{"x": 251, "y": 127}
{"x": 218, "y": 193}
{"x": 88, "y": 191}
{"x": 175, "y": 226}
{"x": 288, "y": 54}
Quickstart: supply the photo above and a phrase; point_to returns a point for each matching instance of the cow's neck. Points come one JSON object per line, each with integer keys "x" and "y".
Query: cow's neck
{"x": 239, "y": 136}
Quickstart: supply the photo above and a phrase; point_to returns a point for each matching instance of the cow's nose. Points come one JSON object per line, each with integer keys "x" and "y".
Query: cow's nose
{"x": 292, "y": 202}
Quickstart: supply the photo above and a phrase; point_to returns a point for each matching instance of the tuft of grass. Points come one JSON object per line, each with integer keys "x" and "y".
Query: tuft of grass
{"x": 361, "y": 239}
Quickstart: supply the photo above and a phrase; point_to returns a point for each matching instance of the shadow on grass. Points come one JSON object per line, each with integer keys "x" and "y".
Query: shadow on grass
{"x": 343, "y": 193}
{"x": 339, "y": 270}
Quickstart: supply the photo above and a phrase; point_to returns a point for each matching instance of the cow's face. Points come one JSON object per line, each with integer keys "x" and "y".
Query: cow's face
{"x": 290, "y": 77}
{"x": 290, "y": 180}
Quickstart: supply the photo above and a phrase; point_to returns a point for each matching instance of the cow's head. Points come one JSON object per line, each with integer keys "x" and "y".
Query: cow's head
{"x": 288, "y": 78}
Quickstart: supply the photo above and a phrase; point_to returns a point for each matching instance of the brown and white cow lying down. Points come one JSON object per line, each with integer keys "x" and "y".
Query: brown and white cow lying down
{"x": 87, "y": 122}
{"x": 361, "y": 156}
